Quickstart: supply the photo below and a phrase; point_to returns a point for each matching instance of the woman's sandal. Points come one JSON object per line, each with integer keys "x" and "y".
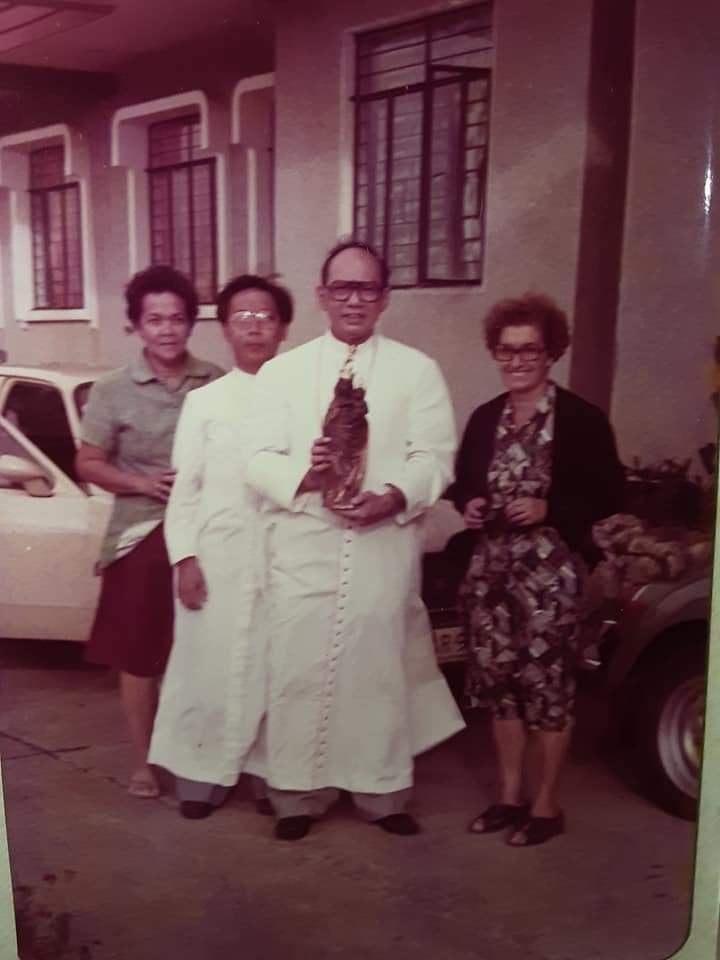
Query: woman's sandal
{"x": 536, "y": 830}
{"x": 498, "y": 816}
{"x": 142, "y": 787}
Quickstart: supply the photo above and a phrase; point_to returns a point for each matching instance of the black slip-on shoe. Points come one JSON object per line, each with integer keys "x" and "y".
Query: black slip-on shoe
{"x": 264, "y": 807}
{"x": 292, "y": 828}
{"x": 401, "y": 824}
{"x": 195, "y": 809}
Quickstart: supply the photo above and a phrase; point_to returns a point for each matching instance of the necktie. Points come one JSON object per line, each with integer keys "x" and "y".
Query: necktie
{"x": 347, "y": 369}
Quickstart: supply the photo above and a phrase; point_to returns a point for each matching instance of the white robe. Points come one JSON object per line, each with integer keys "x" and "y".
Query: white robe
{"x": 213, "y": 694}
{"x": 354, "y": 688}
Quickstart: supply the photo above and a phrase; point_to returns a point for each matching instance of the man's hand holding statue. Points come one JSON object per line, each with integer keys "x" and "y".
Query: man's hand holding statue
{"x": 367, "y": 507}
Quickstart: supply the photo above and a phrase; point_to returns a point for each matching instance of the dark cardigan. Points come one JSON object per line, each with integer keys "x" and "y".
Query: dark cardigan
{"x": 587, "y": 482}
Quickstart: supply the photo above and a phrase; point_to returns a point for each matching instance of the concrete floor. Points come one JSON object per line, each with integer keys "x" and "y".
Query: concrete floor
{"x": 100, "y": 875}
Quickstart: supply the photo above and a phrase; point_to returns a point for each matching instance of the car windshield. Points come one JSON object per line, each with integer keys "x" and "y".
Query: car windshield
{"x": 81, "y": 397}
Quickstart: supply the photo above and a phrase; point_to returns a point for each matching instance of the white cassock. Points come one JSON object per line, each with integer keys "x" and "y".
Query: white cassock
{"x": 354, "y": 688}
{"x": 213, "y": 694}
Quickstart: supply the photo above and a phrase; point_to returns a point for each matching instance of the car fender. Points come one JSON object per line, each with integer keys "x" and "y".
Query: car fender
{"x": 656, "y": 609}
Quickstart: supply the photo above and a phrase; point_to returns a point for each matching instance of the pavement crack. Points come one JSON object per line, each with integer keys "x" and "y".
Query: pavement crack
{"x": 38, "y": 749}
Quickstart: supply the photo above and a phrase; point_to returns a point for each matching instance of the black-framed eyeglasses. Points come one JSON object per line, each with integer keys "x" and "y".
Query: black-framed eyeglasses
{"x": 526, "y": 354}
{"x": 342, "y": 290}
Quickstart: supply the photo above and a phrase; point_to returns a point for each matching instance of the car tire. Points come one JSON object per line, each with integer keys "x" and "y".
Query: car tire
{"x": 667, "y": 728}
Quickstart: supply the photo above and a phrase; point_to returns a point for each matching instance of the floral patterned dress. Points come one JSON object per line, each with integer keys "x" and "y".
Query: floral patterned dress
{"x": 522, "y": 594}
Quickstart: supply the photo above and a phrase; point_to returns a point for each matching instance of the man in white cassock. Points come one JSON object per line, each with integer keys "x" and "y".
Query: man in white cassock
{"x": 208, "y": 727}
{"x": 354, "y": 691}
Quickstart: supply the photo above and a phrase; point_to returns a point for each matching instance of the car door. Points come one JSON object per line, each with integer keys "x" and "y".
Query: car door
{"x": 49, "y": 545}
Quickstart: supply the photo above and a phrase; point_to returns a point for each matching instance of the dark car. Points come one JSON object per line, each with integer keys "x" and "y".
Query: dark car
{"x": 649, "y": 661}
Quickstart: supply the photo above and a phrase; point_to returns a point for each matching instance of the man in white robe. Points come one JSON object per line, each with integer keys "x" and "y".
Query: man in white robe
{"x": 354, "y": 690}
{"x": 208, "y": 727}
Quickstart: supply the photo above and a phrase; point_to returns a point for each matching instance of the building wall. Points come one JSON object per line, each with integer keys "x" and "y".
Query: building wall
{"x": 668, "y": 315}
{"x": 538, "y": 139}
{"x": 105, "y": 340}
{"x": 537, "y": 148}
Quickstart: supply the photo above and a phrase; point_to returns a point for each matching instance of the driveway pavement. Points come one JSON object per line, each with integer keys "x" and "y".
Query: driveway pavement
{"x": 100, "y": 875}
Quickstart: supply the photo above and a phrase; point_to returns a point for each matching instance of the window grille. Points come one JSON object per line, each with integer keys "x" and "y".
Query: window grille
{"x": 183, "y": 224}
{"x": 422, "y": 102}
{"x": 56, "y": 232}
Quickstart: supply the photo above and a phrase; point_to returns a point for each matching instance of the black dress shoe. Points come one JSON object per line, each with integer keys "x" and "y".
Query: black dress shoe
{"x": 401, "y": 824}
{"x": 292, "y": 828}
{"x": 195, "y": 809}
{"x": 264, "y": 807}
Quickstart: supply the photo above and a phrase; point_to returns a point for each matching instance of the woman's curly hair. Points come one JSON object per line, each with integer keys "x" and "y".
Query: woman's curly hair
{"x": 534, "y": 309}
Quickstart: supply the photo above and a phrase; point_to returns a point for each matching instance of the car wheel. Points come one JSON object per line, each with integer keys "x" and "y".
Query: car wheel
{"x": 668, "y": 730}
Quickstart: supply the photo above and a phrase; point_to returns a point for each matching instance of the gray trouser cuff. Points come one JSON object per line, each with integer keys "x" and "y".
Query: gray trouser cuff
{"x": 314, "y": 803}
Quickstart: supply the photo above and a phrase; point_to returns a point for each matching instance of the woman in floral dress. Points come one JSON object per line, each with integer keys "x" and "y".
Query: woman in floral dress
{"x": 536, "y": 468}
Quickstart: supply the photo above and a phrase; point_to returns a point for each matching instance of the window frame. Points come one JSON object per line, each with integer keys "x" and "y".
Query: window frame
{"x": 128, "y": 149}
{"x": 15, "y": 150}
{"x": 256, "y": 219}
{"x": 426, "y": 87}
{"x": 210, "y": 163}
{"x": 44, "y": 193}
{"x": 25, "y": 386}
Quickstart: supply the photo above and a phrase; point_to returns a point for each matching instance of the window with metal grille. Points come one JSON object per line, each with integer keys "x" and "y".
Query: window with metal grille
{"x": 183, "y": 229}
{"x": 422, "y": 99}
{"x": 56, "y": 232}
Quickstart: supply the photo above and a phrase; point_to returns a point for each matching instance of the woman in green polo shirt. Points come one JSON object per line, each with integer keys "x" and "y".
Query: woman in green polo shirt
{"x": 127, "y": 435}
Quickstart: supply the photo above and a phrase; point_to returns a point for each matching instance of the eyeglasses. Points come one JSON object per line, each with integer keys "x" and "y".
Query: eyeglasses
{"x": 244, "y": 318}
{"x": 526, "y": 354}
{"x": 342, "y": 290}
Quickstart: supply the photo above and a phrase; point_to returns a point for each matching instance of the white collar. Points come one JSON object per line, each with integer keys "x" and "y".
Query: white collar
{"x": 340, "y": 347}
{"x": 239, "y": 374}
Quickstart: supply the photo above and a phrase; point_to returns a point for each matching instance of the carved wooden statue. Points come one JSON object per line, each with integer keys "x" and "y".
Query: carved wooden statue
{"x": 346, "y": 426}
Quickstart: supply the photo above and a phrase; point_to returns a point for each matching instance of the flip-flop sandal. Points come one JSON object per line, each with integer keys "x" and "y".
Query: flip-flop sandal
{"x": 537, "y": 830}
{"x": 498, "y": 816}
{"x": 143, "y": 789}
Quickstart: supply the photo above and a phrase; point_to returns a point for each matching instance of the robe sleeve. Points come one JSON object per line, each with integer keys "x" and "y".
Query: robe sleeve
{"x": 181, "y": 517}
{"x": 274, "y": 470}
{"x": 430, "y": 445}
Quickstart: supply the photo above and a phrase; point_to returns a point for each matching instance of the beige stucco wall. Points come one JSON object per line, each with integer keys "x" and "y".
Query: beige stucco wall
{"x": 537, "y": 149}
{"x": 536, "y": 162}
{"x": 668, "y": 312}
{"x": 106, "y": 341}
{"x": 536, "y": 156}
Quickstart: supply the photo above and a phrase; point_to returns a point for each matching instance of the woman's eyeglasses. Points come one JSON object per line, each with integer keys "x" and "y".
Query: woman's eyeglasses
{"x": 342, "y": 290}
{"x": 244, "y": 319}
{"x": 527, "y": 354}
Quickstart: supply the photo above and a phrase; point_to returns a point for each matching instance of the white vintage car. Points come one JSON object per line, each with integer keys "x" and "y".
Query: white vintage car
{"x": 51, "y": 524}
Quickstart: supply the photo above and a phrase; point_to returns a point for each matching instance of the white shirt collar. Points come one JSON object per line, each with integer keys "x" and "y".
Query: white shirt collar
{"x": 239, "y": 374}
{"x": 340, "y": 348}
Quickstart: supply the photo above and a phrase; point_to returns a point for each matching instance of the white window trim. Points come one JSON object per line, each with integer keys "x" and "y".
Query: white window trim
{"x": 128, "y": 149}
{"x": 346, "y": 137}
{"x": 15, "y": 176}
{"x": 261, "y": 81}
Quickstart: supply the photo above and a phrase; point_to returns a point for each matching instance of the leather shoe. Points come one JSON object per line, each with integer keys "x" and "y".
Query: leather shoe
{"x": 401, "y": 824}
{"x": 292, "y": 828}
{"x": 264, "y": 807}
{"x": 195, "y": 809}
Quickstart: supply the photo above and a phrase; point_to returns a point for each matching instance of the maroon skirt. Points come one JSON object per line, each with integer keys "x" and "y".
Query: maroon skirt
{"x": 133, "y": 627}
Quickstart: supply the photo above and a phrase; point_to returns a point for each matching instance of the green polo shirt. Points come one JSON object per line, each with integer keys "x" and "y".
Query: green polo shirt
{"x": 132, "y": 415}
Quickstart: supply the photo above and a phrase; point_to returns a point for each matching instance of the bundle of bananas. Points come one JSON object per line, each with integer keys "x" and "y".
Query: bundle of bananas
{"x": 635, "y": 555}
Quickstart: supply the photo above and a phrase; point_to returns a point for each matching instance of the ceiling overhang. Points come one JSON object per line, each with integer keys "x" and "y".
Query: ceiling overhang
{"x": 85, "y": 84}
{"x": 24, "y": 22}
